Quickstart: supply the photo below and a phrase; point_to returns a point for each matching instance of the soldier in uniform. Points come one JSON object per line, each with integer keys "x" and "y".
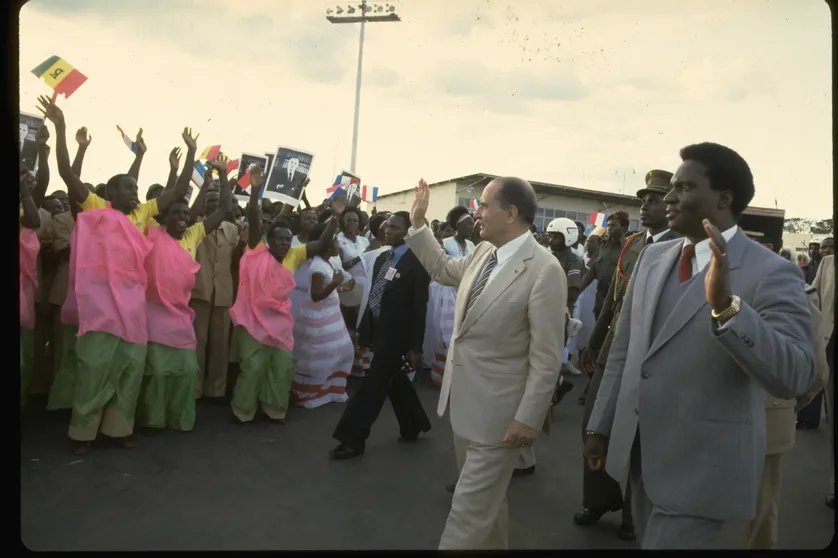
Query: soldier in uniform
{"x": 780, "y": 414}
{"x": 601, "y": 493}
{"x": 602, "y": 270}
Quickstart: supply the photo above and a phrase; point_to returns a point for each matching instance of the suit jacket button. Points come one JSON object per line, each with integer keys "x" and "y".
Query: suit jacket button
{"x": 644, "y": 374}
{"x": 775, "y": 404}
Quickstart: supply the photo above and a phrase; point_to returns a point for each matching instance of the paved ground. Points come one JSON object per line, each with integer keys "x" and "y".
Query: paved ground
{"x": 266, "y": 486}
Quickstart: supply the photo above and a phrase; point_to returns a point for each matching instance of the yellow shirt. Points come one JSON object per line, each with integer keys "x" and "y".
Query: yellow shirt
{"x": 295, "y": 257}
{"x": 141, "y": 216}
{"x": 192, "y": 237}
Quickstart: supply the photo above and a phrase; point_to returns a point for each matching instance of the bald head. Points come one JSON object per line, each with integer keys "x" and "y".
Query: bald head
{"x": 507, "y": 210}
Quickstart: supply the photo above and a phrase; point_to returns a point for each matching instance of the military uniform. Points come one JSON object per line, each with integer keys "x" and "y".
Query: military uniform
{"x": 574, "y": 268}
{"x": 603, "y": 268}
{"x": 600, "y": 491}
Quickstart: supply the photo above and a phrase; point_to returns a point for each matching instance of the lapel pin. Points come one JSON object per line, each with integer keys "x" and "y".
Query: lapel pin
{"x": 398, "y": 275}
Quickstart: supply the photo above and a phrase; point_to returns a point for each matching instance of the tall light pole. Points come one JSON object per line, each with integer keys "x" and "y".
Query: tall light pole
{"x": 362, "y": 13}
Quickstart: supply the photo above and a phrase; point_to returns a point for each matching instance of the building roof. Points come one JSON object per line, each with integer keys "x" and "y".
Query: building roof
{"x": 539, "y": 187}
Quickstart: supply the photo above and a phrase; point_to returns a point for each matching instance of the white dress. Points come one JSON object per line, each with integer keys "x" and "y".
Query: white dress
{"x": 323, "y": 350}
{"x": 351, "y": 250}
{"x": 439, "y": 321}
{"x": 302, "y": 280}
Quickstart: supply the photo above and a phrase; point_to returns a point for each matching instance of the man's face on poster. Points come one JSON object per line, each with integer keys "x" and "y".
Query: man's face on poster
{"x": 293, "y": 165}
{"x": 24, "y": 131}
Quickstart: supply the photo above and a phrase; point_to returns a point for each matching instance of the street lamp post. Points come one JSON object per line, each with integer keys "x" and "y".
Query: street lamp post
{"x": 364, "y": 12}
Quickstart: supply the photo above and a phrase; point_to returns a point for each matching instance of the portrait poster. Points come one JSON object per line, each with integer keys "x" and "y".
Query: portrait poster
{"x": 353, "y": 189}
{"x": 245, "y": 161}
{"x": 29, "y": 126}
{"x": 288, "y": 174}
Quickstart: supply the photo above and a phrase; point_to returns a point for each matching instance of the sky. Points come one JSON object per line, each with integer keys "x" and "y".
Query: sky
{"x": 590, "y": 94}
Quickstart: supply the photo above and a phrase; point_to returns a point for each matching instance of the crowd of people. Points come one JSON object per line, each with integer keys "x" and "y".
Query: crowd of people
{"x": 130, "y": 312}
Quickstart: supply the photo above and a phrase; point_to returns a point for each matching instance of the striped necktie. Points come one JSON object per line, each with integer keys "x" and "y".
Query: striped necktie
{"x": 480, "y": 284}
{"x": 377, "y": 290}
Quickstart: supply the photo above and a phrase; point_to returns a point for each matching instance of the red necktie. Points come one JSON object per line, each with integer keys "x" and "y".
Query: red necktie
{"x": 685, "y": 266}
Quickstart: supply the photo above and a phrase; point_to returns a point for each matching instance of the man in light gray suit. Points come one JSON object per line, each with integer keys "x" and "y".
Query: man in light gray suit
{"x": 505, "y": 353}
{"x": 710, "y": 323}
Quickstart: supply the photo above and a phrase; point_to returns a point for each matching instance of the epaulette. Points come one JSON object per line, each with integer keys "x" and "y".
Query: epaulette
{"x": 809, "y": 289}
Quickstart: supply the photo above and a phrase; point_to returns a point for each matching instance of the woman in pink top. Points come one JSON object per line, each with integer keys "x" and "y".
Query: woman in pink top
{"x": 167, "y": 398}
{"x": 28, "y": 221}
{"x": 109, "y": 292}
{"x": 262, "y": 310}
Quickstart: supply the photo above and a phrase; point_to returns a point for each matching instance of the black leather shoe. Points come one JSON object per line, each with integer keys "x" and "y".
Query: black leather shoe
{"x": 586, "y": 517}
{"x": 523, "y": 472}
{"x": 830, "y": 501}
{"x": 411, "y": 438}
{"x": 626, "y": 533}
{"x": 344, "y": 452}
{"x": 451, "y": 487}
{"x": 561, "y": 391}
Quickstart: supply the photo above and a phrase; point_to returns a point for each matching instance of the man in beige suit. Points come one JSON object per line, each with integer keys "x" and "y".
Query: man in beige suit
{"x": 212, "y": 297}
{"x": 502, "y": 364}
{"x": 780, "y": 417}
{"x": 825, "y": 285}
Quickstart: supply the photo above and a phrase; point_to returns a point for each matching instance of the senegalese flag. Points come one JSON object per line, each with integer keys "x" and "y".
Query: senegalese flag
{"x": 60, "y": 75}
{"x": 210, "y": 153}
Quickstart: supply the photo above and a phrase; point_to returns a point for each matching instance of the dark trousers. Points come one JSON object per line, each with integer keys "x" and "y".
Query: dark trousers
{"x": 811, "y": 413}
{"x": 600, "y": 491}
{"x": 384, "y": 379}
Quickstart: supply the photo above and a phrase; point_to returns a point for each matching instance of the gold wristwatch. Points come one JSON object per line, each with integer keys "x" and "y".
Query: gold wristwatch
{"x": 729, "y": 312}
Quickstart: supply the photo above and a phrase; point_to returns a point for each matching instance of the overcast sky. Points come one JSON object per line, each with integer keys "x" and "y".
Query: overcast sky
{"x": 589, "y": 93}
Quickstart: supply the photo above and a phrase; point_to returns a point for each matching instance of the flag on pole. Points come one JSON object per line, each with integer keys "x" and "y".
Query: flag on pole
{"x": 210, "y": 153}
{"x": 198, "y": 173}
{"x": 373, "y": 191}
{"x": 472, "y": 204}
{"x": 597, "y": 219}
{"x": 62, "y": 77}
{"x": 335, "y": 193}
{"x": 130, "y": 143}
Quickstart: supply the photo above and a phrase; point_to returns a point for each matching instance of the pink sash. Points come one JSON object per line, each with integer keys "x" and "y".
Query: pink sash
{"x": 70, "y": 308}
{"x": 171, "y": 276}
{"x": 262, "y": 305}
{"x": 28, "y": 256}
{"x": 110, "y": 278}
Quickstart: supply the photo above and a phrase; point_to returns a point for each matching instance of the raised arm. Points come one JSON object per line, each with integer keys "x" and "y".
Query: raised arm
{"x": 30, "y": 218}
{"x": 42, "y": 175}
{"x": 254, "y": 228}
{"x": 174, "y": 164}
{"x": 442, "y": 268}
{"x": 75, "y": 186}
{"x": 83, "y": 139}
{"x": 198, "y": 203}
{"x": 214, "y": 220}
{"x": 134, "y": 171}
{"x": 324, "y": 243}
{"x": 182, "y": 186}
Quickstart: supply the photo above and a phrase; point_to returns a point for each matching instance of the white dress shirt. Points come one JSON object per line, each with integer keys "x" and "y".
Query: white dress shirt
{"x": 703, "y": 252}
{"x": 655, "y": 237}
{"x": 505, "y": 252}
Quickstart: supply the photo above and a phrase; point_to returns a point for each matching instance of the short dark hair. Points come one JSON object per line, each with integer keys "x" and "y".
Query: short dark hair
{"x": 376, "y": 221}
{"x": 726, "y": 170}
{"x": 316, "y": 232}
{"x": 518, "y": 192}
{"x": 151, "y": 190}
{"x": 278, "y": 224}
{"x": 403, "y": 215}
{"x": 114, "y": 182}
{"x": 622, "y": 217}
{"x": 349, "y": 210}
{"x": 454, "y": 215}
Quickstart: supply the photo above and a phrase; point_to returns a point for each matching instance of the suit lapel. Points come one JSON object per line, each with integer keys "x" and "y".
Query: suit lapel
{"x": 507, "y": 275}
{"x": 694, "y": 298}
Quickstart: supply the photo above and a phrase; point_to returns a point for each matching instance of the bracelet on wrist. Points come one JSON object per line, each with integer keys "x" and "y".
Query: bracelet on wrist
{"x": 592, "y": 433}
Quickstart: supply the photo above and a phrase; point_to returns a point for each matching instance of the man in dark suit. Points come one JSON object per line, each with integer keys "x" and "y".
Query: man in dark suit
{"x": 393, "y": 326}
{"x": 708, "y": 325}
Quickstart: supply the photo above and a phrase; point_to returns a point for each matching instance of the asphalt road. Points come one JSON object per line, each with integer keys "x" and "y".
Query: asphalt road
{"x": 273, "y": 487}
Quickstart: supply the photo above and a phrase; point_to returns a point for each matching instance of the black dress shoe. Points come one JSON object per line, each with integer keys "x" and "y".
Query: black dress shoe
{"x": 411, "y": 438}
{"x": 561, "y": 391}
{"x": 344, "y": 452}
{"x": 523, "y": 472}
{"x": 830, "y": 501}
{"x": 586, "y": 517}
{"x": 451, "y": 487}
{"x": 803, "y": 425}
{"x": 626, "y": 533}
